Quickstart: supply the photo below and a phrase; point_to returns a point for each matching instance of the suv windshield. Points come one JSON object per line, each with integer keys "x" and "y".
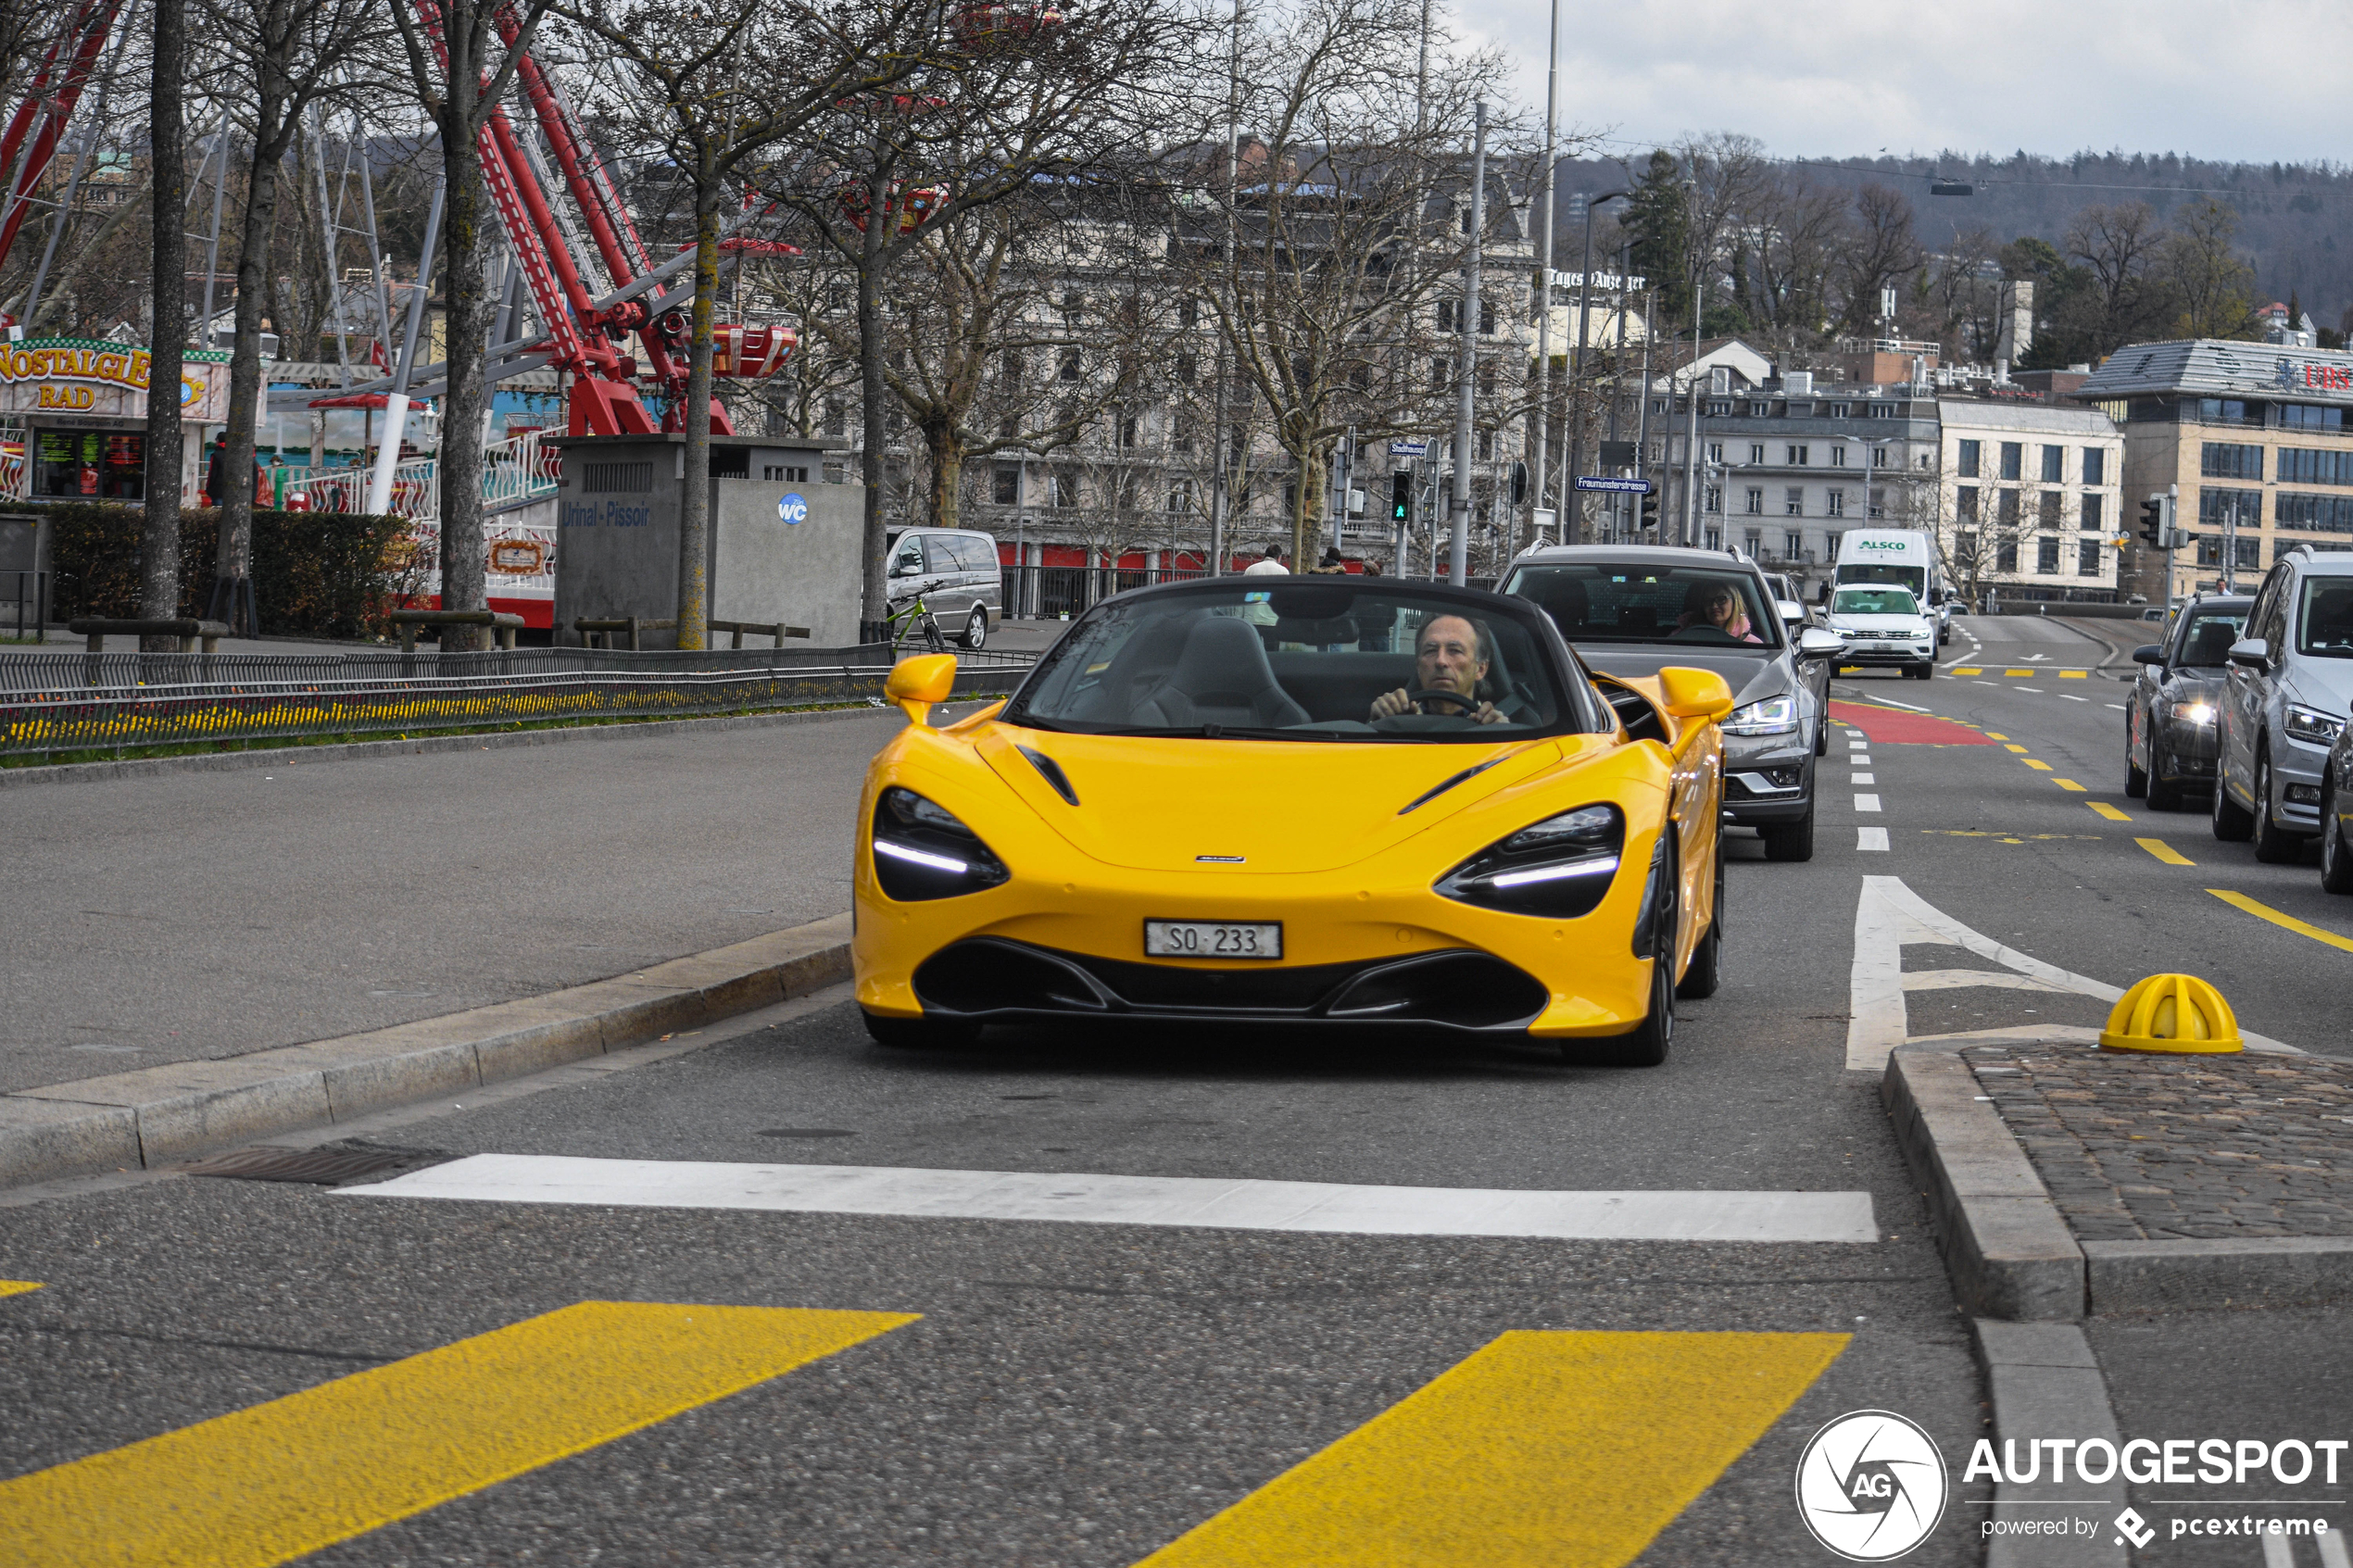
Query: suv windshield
{"x": 2206, "y": 643}
{"x": 1328, "y": 661}
{"x": 1874, "y": 601}
{"x": 2324, "y": 624}
{"x": 1601, "y": 602}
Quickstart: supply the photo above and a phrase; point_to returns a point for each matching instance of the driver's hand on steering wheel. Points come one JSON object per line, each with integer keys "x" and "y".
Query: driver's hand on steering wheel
{"x": 1390, "y": 704}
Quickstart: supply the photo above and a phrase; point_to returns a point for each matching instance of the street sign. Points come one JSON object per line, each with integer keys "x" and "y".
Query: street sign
{"x": 1409, "y": 448}
{"x": 1619, "y": 486}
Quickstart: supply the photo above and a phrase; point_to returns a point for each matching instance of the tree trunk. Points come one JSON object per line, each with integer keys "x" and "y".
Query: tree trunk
{"x": 233, "y": 557}
{"x": 1303, "y": 500}
{"x": 159, "y": 528}
{"x": 463, "y": 585}
{"x": 946, "y": 474}
{"x": 874, "y": 602}
{"x": 694, "y": 500}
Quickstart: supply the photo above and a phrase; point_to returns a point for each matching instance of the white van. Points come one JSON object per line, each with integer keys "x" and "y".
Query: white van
{"x": 1903, "y": 557}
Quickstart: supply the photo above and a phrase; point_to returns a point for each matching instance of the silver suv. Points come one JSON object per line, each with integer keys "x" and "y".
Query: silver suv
{"x": 2286, "y": 695}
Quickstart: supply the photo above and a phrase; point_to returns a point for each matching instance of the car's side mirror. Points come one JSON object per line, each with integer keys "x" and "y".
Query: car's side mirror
{"x": 1815, "y": 642}
{"x": 1694, "y": 693}
{"x": 915, "y": 683}
{"x": 2149, "y": 653}
{"x": 2252, "y": 652}
{"x": 1790, "y": 610}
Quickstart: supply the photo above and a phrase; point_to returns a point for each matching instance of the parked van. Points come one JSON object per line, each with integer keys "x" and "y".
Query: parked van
{"x": 1903, "y": 557}
{"x": 956, "y": 573}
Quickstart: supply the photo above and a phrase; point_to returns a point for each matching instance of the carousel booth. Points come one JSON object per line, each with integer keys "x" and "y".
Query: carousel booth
{"x": 76, "y": 413}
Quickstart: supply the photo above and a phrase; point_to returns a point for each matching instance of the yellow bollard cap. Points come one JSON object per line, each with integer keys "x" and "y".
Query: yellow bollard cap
{"x": 2174, "y": 1013}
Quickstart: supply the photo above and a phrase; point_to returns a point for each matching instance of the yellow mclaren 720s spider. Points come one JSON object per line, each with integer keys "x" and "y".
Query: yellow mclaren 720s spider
{"x": 1326, "y": 801}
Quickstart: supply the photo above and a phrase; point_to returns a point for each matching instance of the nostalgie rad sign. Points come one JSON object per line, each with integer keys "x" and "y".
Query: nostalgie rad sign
{"x": 67, "y": 376}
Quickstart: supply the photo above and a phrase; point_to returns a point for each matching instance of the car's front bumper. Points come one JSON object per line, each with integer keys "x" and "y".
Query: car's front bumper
{"x": 1769, "y": 779}
{"x": 1875, "y": 653}
{"x": 2297, "y": 769}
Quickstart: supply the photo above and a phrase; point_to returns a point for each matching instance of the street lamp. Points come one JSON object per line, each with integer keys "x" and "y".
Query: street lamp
{"x": 1577, "y": 362}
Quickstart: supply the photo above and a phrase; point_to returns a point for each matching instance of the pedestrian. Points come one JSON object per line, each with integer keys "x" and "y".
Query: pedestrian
{"x": 216, "y": 471}
{"x": 1271, "y": 567}
{"x": 1332, "y": 562}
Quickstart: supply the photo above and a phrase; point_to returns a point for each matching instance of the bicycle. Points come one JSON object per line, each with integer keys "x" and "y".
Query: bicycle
{"x": 915, "y": 613}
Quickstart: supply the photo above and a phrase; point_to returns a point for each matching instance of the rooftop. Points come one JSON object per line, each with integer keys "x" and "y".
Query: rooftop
{"x": 2211, "y": 368}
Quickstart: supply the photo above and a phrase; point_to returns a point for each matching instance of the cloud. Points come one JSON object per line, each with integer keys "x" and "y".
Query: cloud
{"x": 1846, "y": 78}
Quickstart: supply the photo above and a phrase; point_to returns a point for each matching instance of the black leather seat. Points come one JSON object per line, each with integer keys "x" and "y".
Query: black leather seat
{"x": 1221, "y": 678}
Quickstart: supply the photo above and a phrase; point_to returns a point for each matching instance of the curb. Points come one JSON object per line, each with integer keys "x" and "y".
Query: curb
{"x": 2004, "y": 1241}
{"x": 2043, "y": 1378}
{"x": 2008, "y": 1248}
{"x": 158, "y": 1115}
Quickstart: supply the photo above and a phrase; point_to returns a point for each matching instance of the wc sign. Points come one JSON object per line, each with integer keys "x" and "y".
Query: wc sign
{"x": 793, "y": 509}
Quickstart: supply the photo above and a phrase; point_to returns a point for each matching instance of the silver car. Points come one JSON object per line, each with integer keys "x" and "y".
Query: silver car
{"x": 1633, "y": 609}
{"x": 2285, "y": 701}
{"x": 2170, "y": 719}
{"x": 956, "y": 573}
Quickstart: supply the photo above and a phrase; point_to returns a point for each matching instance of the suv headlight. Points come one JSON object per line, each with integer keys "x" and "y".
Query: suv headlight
{"x": 1773, "y": 716}
{"x": 1558, "y": 869}
{"x": 923, "y": 852}
{"x": 2311, "y": 725}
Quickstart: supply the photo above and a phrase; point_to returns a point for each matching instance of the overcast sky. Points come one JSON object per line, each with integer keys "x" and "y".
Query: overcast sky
{"x": 1846, "y": 78}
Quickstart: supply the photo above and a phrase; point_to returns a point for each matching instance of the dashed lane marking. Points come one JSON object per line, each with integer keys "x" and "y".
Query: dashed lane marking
{"x": 1864, "y": 779}
{"x": 2285, "y": 922}
{"x": 2016, "y": 673}
{"x": 1991, "y": 735}
{"x": 1314, "y": 1207}
{"x": 1866, "y": 803}
{"x": 2075, "y": 674}
{"x": 2011, "y": 746}
{"x": 2118, "y": 705}
{"x": 1968, "y": 669}
{"x": 278, "y": 1480}
{"x": 17, "y": 1287}
{"x": 1870, "y": 838}
{"x": 2071, "y": 696}
{"x": 2070, "y": 786}
{"x": 2165, "y": 852}
{"x": 1544, "y": 1446}
{"x": 2105, "y": 810}
{"x": 2038, "y": 766}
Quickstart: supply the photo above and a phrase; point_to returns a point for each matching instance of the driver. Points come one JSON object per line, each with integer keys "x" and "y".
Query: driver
{"x": 1715, "y": 605}
{"x": 1451, "y": 657}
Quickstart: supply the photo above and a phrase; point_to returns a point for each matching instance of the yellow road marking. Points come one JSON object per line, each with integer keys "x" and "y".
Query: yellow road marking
{"x": 2075, "y": 674}
{"x": 2165, "y": 852}
{"x": 2105, "y": 810}
{"x": 1544, "y": 1447}
{"x": 2068, "y": 784}
{"x": 1967, "y": 669}
{"x": 2006, "y": 838}
{"x": 17, "y": 1287}
{"x": 2011, "y": 747}
{"x": 278, "y": 1480}
{"x": 2038, "y": 767}
{"x": 2017, "y": 672}
{"x": 2264, "y": 911}
{"x": 1991, "y": 735}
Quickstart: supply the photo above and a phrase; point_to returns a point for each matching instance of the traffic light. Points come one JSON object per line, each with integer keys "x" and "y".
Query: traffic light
{"x": 1647, "y": 515}
{"x": 2153, "y": 522}
{"x": 1401, "y": 497}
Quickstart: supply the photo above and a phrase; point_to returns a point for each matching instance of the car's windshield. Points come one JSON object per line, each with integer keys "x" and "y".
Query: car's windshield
{"x": 1605, "y": 602}
{"x": 2206, "y": 643}
{"x": 2324, "y": 624}
{"x": 1359, "y": 660}
{"x": 1874, "y": 601}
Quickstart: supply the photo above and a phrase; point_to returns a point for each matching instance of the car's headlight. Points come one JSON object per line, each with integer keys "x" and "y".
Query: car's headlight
{"x": 2312, "y": 724}
{"x": 923, "y": 852}
{"x": 1773, "y": 716}
{"x": 2191, "y": 713}
{"x": 1558, "y": 869}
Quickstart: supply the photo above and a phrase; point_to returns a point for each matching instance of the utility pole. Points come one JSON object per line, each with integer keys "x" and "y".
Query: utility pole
{"x": 1458, "y": 565}
{"x": 1544, "y": 282}
{"x": 1570, "y": 507}
{"x": 1642, "y": 407}
{"x": 1690, "y": 461}
{"x": 1219, "y": 476}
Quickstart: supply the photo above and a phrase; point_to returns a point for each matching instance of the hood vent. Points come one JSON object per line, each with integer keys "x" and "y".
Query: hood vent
{"x": 1434, "y": 791}
{"x": 1053, "y": 773}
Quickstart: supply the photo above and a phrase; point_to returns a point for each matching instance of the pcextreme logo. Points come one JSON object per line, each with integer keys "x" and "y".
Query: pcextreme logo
{"x": 1871, "y": 1485}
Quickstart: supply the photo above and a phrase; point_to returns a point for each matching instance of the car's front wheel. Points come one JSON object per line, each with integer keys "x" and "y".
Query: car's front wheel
{"x": 2165, "y": 794}
{"x": 1647, "y": 1046}
{"x": 2336, "y": 856}
{"x": 2233, "y": 822}
{"x": 1791, "y": 841}
{"x": 919, "y": 1033}
{"x": 2273, "y": 843}
{"x": 976, "y": 629}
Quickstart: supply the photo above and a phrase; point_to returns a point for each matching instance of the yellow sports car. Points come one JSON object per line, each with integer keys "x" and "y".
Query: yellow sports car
{"x": 1312, "y": 800}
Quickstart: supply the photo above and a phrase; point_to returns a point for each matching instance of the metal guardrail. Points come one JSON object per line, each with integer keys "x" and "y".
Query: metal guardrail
{"x": 359, "y": 694}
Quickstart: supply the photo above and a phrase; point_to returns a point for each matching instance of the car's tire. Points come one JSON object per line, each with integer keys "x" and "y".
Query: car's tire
{"x": 1822, "y": 736}
{"x": 919, "y": 1033}
{"x": 976, "y": 636}
{"x": 1647, "y": 1045}
{"x": 1925, "y": 672}
{"x": 2273, "y": 843}
{"x": 1791, "y": 841}
{"x": 2336, "y": 856}
{"x": 2164, "y": 793}
{"x": 1706, "y": 971}
{"x": 2232, "y": 822}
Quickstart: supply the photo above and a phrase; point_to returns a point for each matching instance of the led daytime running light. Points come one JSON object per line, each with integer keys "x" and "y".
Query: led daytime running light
{"x": 1599, "y": 866}
{"x": 919, "y": 857}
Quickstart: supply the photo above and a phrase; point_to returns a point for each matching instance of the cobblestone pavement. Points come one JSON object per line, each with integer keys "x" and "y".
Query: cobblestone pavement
{"x": 2152, "y": 1147}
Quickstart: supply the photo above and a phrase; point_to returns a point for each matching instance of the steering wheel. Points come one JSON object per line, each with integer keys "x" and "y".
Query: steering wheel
{"x": 1465, "y": 705}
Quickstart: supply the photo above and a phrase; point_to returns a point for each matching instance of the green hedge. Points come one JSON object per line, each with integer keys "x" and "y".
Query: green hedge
{"x": 319, "y": 575}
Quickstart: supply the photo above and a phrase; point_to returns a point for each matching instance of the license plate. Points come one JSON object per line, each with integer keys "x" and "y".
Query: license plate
{"x": 1213, "y": 939}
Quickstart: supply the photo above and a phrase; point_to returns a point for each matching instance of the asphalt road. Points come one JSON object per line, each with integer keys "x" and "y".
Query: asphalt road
{"x": 1083, "y": 1394}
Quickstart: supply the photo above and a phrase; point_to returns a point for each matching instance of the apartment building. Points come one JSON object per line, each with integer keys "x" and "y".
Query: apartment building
{"x": 2030, "y": 501}
{"x": 2256, "y": 440}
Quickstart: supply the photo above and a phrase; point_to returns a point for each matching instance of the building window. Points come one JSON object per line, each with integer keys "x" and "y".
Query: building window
{"x": 2307, "y": 416}
{"x": 1714, "y": 497}
{"x": 2224, "y": 459}
{"x": 2095, "y": 465}
{"x": 2005, "y": 508}
{"x": 1438, "y": 375}
{"x": 1187, "y": 367}
{"x": 1006, "y": 492}
{"x": 1760, "y": 411}
{"x": 2242, "y": 508}
{"x": 2013, "y": 460}
{"x": 1069, "y": 365}
{"x": 2048, "y": 510}
{"x": 1486, "y": 445}
{"x": 2087, "y": 559}
{"x": 1837, "y": 410}
{"x": 2054, "y": 465}
{"x": 1755, "y": 542}
{"x": 1715, "y": 538}
{"x": 1837, "y": 499}
{"x": 1065, "y": 487}
{"x": 1965, "y": 504}
{"x": 1755, "y": 500}
{"x": 1486, "y": 318}
{"x": 1446, "y": 317}
{"x": 1756, "y": 453}
{"x": 1719, "y": 408}
{"x": 2006, "y": 555}
{"x": 2047, "y": 556}
{"x": 2095, "y": 506}
{"x": 1838, "y": 456}
{"x": 2313, "y": 514}
{"x": 1716, "y": 452}
{"x": 1180, "y": 434}
{"x": 1794, "y": 502}
{"x": 2222, "y": 410}
{"x": 1795, "y": 457}
{"x": 1878, "y": 457}
{"x": 1965, "y": 548}
{"x": 2306, "y": 465}
{"x": 1971, "y": 452}
{"x": 1485, "y": 379}
{"x": 1792, "y": 545}
{"x": 1179, "y": 497}
{"x": 837, "y": 420}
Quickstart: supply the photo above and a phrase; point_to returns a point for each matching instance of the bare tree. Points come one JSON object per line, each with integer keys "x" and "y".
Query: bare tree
{"x": 1879, "y": 249}
{"x": 2213, "y": 287}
